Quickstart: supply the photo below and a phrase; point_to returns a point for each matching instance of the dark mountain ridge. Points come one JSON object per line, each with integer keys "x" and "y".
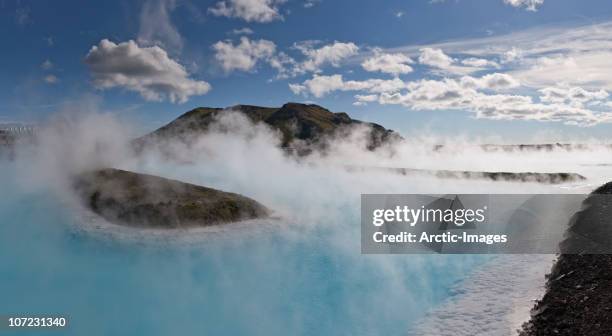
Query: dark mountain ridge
{"x": 302, "y": 127}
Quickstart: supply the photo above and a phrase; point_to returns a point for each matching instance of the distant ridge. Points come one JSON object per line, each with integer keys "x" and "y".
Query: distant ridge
{"x": 543, "y": 147}
{"x": 303, "y": 127}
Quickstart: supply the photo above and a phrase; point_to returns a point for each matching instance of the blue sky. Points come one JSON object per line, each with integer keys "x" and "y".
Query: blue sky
{"x": 504, "y": 70}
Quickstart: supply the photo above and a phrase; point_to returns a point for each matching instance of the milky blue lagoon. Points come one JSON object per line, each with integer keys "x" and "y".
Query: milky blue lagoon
{"x": 259, "y": 283}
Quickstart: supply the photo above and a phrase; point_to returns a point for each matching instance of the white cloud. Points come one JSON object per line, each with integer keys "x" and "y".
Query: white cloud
{"x": 590, "y": 69}
{"x": 51, "y": 79}
{"x": 146, "y": 70}
{"x": 156, "y": 28}
{"x": 530, "y": 5}
{"x": 248, "y": 53}
{"x": 394, "y": 64}
{"x": 575, "y": 96}
{"x": 479, "y": 63}
{"x": 449, "y": 94}
{"x": 362, "y": 100}
{"x": 319, "y": 86}
{"x": 249, "y": 10}
{"x": 315, "y": 56}
{"x": 243, "y": 56}
{"x": 399, "y": 14}
{"x": 435, "y": 58}
{"x": 494, "y": 81}
{"x": 577, "y": 55}
{"x": 333, "y": 54}
{"x": 442, "y": 64}
{"x": 511, "y": 55}
{"x": 464, "y": 94}
{"x": 283, "y": 64}
{"x": 242, "y": 31}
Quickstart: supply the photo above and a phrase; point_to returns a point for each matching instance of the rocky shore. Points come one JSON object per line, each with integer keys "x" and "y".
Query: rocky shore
{"x": 578, "y": 300}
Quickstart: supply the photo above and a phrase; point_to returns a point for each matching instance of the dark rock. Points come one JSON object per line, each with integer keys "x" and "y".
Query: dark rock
{"x": 141, "y": 200}
{"x": 578, "y": 299}
{"x": 302, "y": 127}
{"x": 544, "y": 147}
{"x": 545, "y": 178}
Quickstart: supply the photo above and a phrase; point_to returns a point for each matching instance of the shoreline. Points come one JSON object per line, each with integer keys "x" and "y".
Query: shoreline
{"x": 478, "y": 305}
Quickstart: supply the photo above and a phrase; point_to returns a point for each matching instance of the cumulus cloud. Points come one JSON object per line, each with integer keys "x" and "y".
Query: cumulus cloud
{"x": 249, "y": 10}
{"x": 530, "y": 5}
{"x": 449, "y": 94}
{"x": 435, "y": 58}
{"x": 473, "y": 94}
{"x": 146, "y": 70}
{"x": 511, "y": 55}
{"x": 243, "y": 56}
{"x": 333, "y": 54}
{"x": 394, "y": 64}
{"x": 156, "y": 27}
{"x": 319, "y": 86}
{"x": 575, "y": 96}
{"x": 494, "y": 81}
{"x": 479, "y": 63}
{"x": 442, "y": 64}
{"x": 283, "y": 64}
{"x": 315, "y": 57}
{"x": 361, "y": 100}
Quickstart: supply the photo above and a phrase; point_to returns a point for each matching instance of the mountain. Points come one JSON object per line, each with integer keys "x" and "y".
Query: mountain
{"x": 147, "y": 201}
{"x": 302, "y": 127}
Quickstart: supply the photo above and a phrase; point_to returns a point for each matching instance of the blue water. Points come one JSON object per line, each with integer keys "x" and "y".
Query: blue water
{"x": 261, "y": 284}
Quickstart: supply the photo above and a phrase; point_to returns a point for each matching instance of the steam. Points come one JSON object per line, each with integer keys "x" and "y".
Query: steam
{"x": 308, "y": 268}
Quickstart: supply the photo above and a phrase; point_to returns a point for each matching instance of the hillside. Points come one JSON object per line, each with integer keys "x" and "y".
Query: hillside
{"x": 301, "y": 127}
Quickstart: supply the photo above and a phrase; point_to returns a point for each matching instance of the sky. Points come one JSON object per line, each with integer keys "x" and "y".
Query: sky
{"x": 495, "y": 70}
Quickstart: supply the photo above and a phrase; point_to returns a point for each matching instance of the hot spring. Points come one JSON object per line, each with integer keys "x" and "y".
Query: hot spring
{"x": 300, "y": 274}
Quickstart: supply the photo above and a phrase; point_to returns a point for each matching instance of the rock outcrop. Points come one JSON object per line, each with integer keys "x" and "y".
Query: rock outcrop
{"x": 147, "y": 201}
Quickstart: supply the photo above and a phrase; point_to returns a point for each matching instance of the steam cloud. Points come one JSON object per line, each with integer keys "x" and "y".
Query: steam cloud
{"x": 315, "y": 244}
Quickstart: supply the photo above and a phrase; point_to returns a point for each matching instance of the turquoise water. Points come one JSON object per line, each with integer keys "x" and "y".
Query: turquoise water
{"x": 263, "y": 283}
